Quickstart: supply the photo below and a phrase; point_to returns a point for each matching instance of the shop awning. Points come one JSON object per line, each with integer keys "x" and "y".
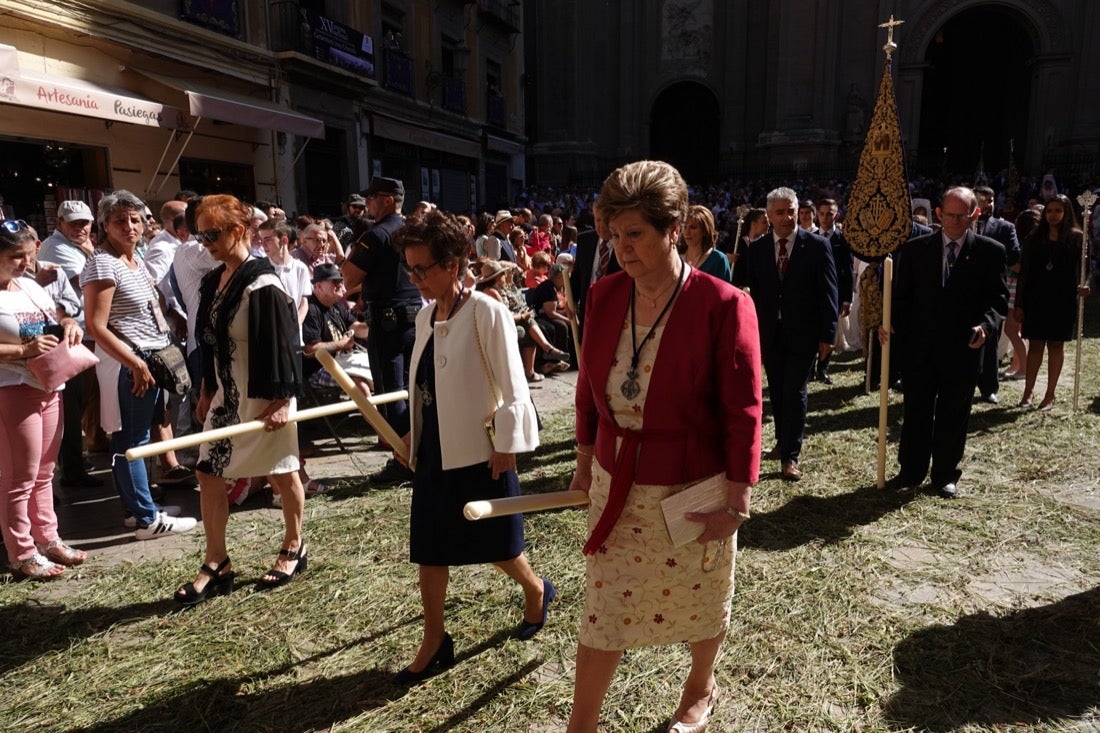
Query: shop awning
{"x": 238, "y": 109}
{"x": 56, "y": 93}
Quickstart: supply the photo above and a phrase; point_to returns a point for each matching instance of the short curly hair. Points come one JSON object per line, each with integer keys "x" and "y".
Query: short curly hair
{"x": 654, "y": 188}
{"x": 441, "y": 232}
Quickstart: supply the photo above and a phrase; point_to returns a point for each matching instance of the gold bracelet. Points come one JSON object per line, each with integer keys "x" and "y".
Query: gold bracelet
{"x": 738, "y": 515}
{"x": 584, "y": 452}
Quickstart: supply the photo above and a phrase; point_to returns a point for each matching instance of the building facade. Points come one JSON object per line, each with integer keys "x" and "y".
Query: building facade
{"x": 294, "y": 102}
{"x": 733, "y": 88}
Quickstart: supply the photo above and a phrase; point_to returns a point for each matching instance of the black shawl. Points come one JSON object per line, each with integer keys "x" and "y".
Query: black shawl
{"x": 274, "y": 339}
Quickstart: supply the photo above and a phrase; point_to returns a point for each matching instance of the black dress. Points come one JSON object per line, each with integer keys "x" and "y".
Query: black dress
{"x": 439, "y": 533}
{"x": 1047, "y": 289}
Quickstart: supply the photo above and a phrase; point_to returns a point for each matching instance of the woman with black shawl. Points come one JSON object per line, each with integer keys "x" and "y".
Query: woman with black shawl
{"x": 247, "y": 329}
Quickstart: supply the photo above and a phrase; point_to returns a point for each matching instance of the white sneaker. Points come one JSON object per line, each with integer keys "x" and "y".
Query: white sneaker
{"x": 164, "y": 526}
{"x": 130, "y": 521}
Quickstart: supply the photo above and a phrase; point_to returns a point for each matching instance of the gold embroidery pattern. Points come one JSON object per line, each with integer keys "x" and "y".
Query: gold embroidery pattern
{"x": 879, "y": 217}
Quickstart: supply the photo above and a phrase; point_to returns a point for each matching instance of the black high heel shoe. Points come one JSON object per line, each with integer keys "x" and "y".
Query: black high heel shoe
{"x": 444, "y": 658}
{"x": 219, "y": 585}
{"x": 281, "y": 578}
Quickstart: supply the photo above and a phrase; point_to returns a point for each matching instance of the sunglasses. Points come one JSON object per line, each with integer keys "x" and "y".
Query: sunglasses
{"x": 210, "y": 235}
{"x": 14, "y": 225}
{"x": 418, "y": 271}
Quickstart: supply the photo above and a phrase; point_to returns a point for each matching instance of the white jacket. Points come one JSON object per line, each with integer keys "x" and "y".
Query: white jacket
{"x": 462, "y": 387}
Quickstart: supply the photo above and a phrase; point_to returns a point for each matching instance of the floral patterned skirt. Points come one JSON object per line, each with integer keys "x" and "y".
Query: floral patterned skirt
{"x": 642, "y": 591}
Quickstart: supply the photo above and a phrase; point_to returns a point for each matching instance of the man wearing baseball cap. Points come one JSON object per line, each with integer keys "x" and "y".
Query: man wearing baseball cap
{"x": 388, "y": 299}
{"x": 69, "y": 247}
{"x": 353, "y": 220}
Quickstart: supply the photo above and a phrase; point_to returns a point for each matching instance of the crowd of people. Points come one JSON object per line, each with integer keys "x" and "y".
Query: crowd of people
{"x": 674, "y": 304}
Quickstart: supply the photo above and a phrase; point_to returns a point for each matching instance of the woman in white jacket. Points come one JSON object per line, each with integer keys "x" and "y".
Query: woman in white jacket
{"x": 471, "y": 413}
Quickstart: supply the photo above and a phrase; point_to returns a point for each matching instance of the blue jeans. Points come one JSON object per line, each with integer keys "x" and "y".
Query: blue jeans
{"x": 130, "y": 477}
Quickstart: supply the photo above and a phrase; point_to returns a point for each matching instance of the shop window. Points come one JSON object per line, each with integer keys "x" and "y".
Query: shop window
{"x": 212, "y": 176}
{"x": 35, "y": 176}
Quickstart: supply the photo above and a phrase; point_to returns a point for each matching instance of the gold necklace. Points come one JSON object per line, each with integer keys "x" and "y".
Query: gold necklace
{"x": 653, "y": 300}
{"x": 699, "y": 260}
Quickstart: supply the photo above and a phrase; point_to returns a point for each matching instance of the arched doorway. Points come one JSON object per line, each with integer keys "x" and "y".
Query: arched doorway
{"x": 977, "y": 89}
{"x": 684, "y": 131}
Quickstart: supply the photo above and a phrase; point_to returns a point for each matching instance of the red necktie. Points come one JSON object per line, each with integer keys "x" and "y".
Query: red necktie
{"x": 604, "y": 252}
{"x": 782, "y": 263}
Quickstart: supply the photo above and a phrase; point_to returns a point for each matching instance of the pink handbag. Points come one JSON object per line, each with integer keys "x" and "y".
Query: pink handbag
{"x": 60, "y": 364}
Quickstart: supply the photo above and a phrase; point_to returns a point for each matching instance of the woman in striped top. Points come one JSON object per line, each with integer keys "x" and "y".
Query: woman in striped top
{"x": 123, "y": 315}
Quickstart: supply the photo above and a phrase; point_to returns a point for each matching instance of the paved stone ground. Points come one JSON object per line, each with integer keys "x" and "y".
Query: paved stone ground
{"x": 91, "y": 519}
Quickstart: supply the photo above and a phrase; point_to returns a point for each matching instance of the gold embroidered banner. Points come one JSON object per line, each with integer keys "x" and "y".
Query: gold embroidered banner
{"x": 879, "y": 217}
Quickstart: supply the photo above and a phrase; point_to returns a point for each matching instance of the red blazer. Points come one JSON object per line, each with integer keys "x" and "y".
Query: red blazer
{"x": 704, "y": 396}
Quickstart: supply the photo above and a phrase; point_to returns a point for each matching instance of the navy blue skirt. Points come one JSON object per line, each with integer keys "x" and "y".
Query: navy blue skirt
{"x": 439, "y": 534}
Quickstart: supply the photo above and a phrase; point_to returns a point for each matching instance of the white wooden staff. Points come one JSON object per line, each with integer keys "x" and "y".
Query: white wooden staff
{"x": 475, "y": 510}
{"x": 1087, "y": 199}
{"x": 574, "y": 325}
{"x": 370, "y": 412}
{"x": 230, "y": 431}
{"x": 884, "y": 367}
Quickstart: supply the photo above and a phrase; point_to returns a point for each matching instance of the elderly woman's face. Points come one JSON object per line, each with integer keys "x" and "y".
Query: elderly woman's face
{"x": 220, "y": 243}
{"x": 125, "y": 227}
{"x": 640, "y": 248}
{"x": 427, "y": 274}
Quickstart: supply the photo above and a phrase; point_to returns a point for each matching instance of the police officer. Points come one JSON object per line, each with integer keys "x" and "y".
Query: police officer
{"x": 388, "y": 299}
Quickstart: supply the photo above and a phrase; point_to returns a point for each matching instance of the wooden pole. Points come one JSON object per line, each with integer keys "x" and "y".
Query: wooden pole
{"x": 1087, "y": 199}
{"x": 884, "y": 367}
{"x": 310, "y": 413}
{"x": 574, "y": 324}
{"x": 475, "y": 510}
{"x": 370, "y": 412}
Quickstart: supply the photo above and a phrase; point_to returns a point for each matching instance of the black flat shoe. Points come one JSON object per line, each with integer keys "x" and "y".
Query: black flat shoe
{"x": 281, "y": 578}
{"x": 443, "y": 659}
{"x": 219, "y": 585}
{"x": 526, "y": 629}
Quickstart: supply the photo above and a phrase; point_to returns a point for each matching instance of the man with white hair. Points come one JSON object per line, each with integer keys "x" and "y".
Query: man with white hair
{"x": 792, "y": 278}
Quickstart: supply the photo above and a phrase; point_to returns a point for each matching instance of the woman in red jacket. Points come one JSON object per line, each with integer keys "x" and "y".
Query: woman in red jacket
{"x": 669, "y": 393}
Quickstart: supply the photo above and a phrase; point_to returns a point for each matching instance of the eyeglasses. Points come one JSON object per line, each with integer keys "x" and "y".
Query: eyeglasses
{"x": 418, "y": 271}
{"x": 954, "y": 217}
{"x": 210, "y": 235}
{"x": 14, "y": 225}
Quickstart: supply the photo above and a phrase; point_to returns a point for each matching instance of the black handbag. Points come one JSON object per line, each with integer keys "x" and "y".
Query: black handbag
{"x": 169, "y": 368}
{"x": 167, "y": 365}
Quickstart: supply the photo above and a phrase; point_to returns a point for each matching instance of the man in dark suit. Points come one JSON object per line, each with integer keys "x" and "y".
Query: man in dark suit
{"x": 1005, "y": 233}
{"x": 842, "y": 259}
{"x": 595, "y": 258}
{"x": 950, "y": 297}
{"x": 792, "y": 280}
